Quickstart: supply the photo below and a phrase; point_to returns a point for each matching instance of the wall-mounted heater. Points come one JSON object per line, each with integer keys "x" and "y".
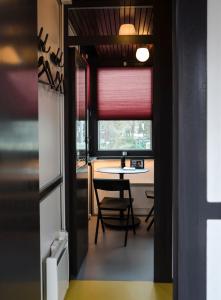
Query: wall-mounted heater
{"x": 57, "y": 269}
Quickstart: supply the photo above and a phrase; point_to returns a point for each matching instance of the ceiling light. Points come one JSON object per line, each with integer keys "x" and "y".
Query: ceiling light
{"x": 142, "y": 54}
{"x": 127, "y": 29}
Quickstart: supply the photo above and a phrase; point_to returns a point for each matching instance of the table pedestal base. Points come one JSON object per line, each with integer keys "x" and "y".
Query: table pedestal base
{"x": 121, "y": 224}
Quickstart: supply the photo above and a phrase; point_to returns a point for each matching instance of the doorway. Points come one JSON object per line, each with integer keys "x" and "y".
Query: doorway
{"x": 162, "y": 109}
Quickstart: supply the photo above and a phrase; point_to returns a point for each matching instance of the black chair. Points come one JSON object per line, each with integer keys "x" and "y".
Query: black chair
{"x": 120, "y": 204}
{"x": 150, "y": 195}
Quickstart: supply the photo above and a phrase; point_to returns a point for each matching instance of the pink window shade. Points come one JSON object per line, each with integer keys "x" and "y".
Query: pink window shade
{"x": 80, "y": 94}
{"x": 124, "y": 93}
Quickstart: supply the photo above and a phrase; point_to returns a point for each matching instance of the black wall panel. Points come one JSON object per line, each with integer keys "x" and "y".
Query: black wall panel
{"x": 162, "y": 121}
{"x": 76, "y": 178}
{"x": 19, "y": 180}
{"x": 191, "y": 209}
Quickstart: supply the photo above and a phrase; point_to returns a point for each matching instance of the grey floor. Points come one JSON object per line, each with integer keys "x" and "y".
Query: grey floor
{"x": 109, "y": 260}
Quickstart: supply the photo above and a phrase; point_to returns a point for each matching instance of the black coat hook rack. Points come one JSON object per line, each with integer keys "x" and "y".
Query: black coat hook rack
{"x": 57, "y": 83}
{"x": 45, "y": 68}
{"x": 56, "y": 59}
{"x": 42, "y": 43}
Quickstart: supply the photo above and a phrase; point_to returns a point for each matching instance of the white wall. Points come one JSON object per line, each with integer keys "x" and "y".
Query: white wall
{"x": 51, "y": 138}
{"x": 49, "y": 134}
{"x": 214, "y": 146}
{"x": 214, "y": 101}
{"x": 213, "y": 259}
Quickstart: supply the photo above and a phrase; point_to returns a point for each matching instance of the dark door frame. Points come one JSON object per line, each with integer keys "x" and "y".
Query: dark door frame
{"x": 191, "y": 209}
{"x": 163, "y": 133}
{"x": 75, "y": 202}
{"x": 163, "y": 101}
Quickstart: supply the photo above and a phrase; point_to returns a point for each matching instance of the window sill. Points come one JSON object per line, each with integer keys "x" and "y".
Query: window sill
{"x": 119, "y": 157}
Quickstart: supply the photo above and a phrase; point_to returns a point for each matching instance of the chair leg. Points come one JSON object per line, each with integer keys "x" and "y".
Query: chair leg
{"x": 150, "y": 213}
{"x": 150, "y": 225}
{"x": 127, "y": 227}
{"x": 102, "y": 223}
{"x": 132, "y": 215}
{"x": 97, "y": 227}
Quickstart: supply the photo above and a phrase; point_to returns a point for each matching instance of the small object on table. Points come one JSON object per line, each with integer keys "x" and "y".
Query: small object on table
{"x": 137, "y": 163}
{"x": 122, "y": 162}
{"x": 123, "y": 159}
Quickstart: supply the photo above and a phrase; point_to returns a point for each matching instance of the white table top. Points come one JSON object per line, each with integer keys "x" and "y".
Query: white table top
{"x": 121, "y": 171}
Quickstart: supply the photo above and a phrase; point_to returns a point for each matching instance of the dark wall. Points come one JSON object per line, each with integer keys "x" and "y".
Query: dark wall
{"x": 163, "y": 140}
{"x": 76, "y": 178}
{"x": 19, "y": 182}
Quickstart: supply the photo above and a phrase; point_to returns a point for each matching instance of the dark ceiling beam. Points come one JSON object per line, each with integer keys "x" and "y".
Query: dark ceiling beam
{"x": 97, "y": 4}
{"x": 116, "y": 62}
{"x": 110, "y": 40}
{"x": 89, "y": 50}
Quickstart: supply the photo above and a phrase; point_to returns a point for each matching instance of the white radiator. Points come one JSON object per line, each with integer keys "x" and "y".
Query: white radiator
{"x": 57, "y": 269}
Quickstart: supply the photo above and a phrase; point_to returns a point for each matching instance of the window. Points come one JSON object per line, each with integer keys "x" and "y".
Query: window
{"x": 124, "y": 109}
{"x": 80, "y": 134}
{"x": 125, "y": 135}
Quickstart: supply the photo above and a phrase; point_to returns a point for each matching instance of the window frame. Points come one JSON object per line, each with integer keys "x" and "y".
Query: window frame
{"x": 94, "y": 136}
{"x": 130, "y": 151}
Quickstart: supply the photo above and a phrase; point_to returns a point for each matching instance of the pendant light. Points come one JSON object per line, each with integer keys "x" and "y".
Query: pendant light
{"x": 142, "y": 54}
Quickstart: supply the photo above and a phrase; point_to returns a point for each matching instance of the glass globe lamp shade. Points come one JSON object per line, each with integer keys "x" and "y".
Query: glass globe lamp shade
{"x": 142, "y": 54}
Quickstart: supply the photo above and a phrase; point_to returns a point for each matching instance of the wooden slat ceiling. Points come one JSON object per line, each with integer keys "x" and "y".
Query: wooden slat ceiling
{"x": 107, "y": 21}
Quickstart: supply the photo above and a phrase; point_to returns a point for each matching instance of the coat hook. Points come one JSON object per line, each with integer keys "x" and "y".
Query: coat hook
{"x": 49, "y": 73}
{"x": 40, "y": 33}
{"x": 62, "y": 84}
{"x": 58, "y": 78}
{"x": 39, "y": 39}
{"x": 45, "y": 69}
{"x": 55, "y": 59}
{"x": 60, "y": 59}
{"x": 41, "y": 43}
{"x": 45, "y": 42}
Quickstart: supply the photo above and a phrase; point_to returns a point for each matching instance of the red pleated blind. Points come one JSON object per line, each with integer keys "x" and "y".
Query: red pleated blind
{"x": 88, "y": 86}
{"x": 124, "y": 93}
{"x": 80, "y": 94}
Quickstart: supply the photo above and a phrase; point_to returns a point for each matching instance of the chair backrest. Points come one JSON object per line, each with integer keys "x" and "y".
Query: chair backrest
{"x": 111, "y": 185}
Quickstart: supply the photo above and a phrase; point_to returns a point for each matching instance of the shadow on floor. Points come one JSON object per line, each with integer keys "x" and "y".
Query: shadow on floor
{"x": 109, "y": 260}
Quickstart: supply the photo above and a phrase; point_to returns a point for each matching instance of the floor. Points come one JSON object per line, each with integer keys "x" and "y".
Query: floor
{"x": 119, "y": 290}
{"x": 113, "y": 272}
{"x": 110, "y": 261}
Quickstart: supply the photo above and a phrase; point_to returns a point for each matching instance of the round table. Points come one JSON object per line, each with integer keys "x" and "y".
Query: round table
{"x": 121, "y": 171}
